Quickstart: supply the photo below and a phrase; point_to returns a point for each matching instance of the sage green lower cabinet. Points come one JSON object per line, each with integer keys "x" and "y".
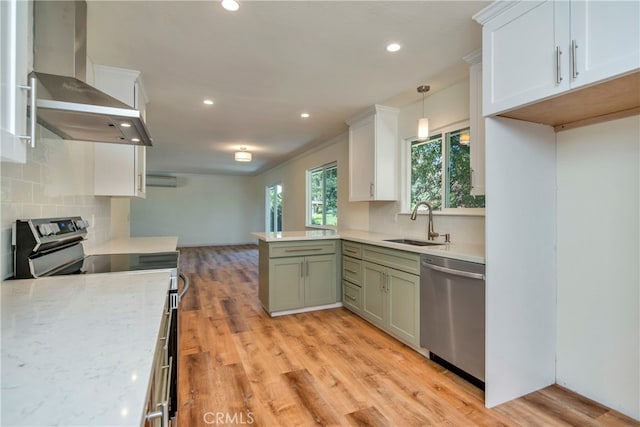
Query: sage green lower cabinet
{"x": 297, "y": 275}
{"x": 374, "y": 304}
{"x": 391, "y": 297}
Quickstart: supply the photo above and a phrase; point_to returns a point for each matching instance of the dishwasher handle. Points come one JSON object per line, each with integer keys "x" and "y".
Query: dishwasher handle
{"x": 467, "y": 274}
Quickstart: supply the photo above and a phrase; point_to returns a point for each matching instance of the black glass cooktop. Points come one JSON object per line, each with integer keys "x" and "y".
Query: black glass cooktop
{"x": 112, "y": 263}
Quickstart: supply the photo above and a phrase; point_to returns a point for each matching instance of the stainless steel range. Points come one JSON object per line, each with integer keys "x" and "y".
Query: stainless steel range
{"x": 53, "y": 246}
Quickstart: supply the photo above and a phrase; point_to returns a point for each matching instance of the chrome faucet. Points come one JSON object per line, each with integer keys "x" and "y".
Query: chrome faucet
{"x": 430, "y": 233}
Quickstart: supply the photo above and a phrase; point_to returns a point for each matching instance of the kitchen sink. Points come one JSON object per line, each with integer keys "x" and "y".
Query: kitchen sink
{"x": 414, "y": 242}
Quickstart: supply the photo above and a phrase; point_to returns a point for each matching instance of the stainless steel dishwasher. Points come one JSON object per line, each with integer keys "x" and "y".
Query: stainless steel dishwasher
{"x": 452, "y": 311}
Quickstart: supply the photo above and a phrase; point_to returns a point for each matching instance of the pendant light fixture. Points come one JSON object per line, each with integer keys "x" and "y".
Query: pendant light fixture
{"x": 423, "y": 123}
{"x": 243, "y": 155}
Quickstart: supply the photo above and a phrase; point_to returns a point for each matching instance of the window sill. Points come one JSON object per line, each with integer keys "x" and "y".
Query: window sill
{"x": 452, "y": 212}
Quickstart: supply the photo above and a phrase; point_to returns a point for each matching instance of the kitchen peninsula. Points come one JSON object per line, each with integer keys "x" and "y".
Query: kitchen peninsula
{"x": 301, "y": 270}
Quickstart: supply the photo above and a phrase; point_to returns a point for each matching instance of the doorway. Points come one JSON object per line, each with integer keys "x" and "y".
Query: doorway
{"x": 274, "y": 208}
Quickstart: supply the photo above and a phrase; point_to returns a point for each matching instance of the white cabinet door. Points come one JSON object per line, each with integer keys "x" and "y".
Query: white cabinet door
{"x": 605, "y": 38}
{"x": 119, "y": 170}
{"x": 476, "y": 124}
{"x": 361, "y": 160}
{"x": 14, "y": 41}
{"x": 521, "y": 47}
{"x": 373, "y": 155}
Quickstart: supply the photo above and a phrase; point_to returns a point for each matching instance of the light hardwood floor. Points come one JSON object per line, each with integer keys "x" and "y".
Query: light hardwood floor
{"x": 238, "y": 366}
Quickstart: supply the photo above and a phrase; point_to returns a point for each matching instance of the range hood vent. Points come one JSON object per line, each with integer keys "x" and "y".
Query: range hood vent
{"x": 74, "y": 110}
{"x": 64, "y": 103}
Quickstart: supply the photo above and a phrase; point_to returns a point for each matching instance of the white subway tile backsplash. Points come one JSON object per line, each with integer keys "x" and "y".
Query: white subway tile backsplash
{"x": 31, "y": 172}
{"x": 54, "y": 182}
{"x": 21, "y": 191}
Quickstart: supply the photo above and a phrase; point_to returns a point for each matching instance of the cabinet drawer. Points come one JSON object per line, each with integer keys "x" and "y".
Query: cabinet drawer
{"x": 315, "y": 247}
{"x": 352, "y": 270}
{"x": 352, "y": 249}
{"x": 401, "y": 260}
{"x": 351, "y": 297}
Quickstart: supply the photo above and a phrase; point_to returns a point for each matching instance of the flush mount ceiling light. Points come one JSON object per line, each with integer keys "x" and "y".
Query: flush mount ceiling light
{"x": 393, "y": 47}
{"x": 230, "y": 5}
{"x": 423, "y": 123}
{"x": 208, "y": 102}
{"x": 305, "y": 115}
{"x": 243, "y": 155}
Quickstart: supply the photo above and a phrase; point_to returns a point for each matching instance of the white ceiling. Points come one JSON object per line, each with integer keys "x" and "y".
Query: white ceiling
{"x": 270, "y": 61}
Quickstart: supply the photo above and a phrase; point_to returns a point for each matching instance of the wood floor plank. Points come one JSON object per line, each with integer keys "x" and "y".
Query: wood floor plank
{"x": 370, "y": 417}
{"x": 326, "y": 367}
{"x": 310, "y": 399}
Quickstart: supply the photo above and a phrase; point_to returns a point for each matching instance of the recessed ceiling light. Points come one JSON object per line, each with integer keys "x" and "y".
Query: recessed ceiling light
{"x": 231, "y": 5}
{"x": 208, "y": 101}
{"x": 125, "y": 125}
{"x": 305, "y": 115}
{"x": 393, "y": 47}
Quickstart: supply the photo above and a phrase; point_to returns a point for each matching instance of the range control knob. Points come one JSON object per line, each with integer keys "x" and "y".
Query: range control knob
{"x": 81, "y": 224}
{"x": 45, "y": 230}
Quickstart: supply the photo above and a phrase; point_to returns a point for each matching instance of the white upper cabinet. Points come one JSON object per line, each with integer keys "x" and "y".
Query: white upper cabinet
{"x": 373, "y": 155}
{"x": 605, "y": 38}
{"x": 537, "y": 49}
{"x": 120, "y": 170}
{"x": 14, "y": 68}
{"x": 476, "y": 123}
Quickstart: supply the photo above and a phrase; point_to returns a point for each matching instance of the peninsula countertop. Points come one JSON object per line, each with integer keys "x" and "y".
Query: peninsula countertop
{"x": 79, "y": 350}
{"x": 122, "y": 245}
{"x": 462, "y": 251}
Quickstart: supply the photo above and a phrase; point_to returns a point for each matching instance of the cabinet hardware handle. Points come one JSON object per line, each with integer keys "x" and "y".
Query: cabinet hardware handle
{"x": 140, "y": 182}
{"x": 306, "y": 267}
{"x": 574, "y": 60}
{"x": 351, "y": 251}
{"x": 558, "y": 65}
{"x": 303, "y": 250}
{"x": 301, "y": 268}
{"x": 33, "y": 112}
{"x": 350, "y": 271}
{"x": 371, "y": 189}
{"x": 349, "y": 297}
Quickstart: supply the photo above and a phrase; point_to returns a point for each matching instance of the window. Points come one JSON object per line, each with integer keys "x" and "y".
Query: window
{"x": 322, "y": 196}
{"x": 441, "y": 171}
{"x": 274, "y": 208}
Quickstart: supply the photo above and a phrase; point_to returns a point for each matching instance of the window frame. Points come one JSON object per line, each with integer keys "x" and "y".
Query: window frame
{"x": 405, "y": 156}
{"x": 308, "y": 209}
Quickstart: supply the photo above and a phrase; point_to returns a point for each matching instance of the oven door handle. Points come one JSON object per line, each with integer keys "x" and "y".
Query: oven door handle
{"x": 186, "y": 286}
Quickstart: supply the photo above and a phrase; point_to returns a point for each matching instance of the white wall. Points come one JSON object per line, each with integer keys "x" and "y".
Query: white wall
{"x": 203, "y": 210}
{"x": 57, "y": 180}
{"x": 599, "y": 263}
{"x": 448, "y": 106}
{"x": 443, "y": 108}
{"x": 292, "y": 175}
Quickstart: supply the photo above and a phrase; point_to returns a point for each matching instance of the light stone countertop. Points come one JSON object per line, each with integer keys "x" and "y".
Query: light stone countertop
{"x": 462, "y": 251}
{"x": 125, "y": 245}
{"x": 78, "y": 350}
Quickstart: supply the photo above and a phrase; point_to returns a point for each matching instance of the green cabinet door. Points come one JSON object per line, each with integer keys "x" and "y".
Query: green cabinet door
{"x": 403, "y": 292}
{"x": 286, "y": 283}
{"x": 374, "y": 298}
{"x": 320, "y": 284}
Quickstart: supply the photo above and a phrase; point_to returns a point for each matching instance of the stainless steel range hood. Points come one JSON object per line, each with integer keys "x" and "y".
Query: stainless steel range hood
{"x": 65, "y": 104}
